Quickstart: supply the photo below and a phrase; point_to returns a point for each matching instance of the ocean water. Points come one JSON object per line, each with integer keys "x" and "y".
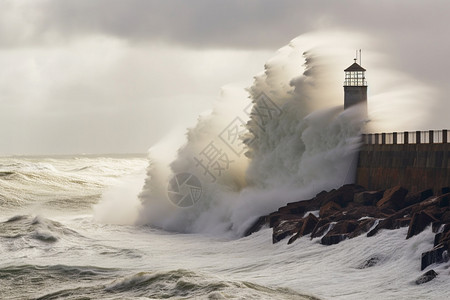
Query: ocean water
{"x": 53, "y": 247}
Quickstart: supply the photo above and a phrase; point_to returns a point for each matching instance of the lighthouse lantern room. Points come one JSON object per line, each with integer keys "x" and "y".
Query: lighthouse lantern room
{"x": 355, "y": 86}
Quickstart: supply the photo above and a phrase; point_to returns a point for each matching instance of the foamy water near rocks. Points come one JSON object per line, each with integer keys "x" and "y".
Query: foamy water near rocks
{"x": 351, "y": 210}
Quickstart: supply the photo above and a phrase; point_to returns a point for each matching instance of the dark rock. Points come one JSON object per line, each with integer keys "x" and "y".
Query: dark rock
{"x": 444, "y": 200}
{"x": 438, "y": 254}
{"x": 314, "y": 203}
{"x": 445, "y": 190}
{"x": 300, "y": 207}
{"x": 445, "y": 218}
{"x": 296, "y": 208}
{"x": 357, "y": 213}
{"x": 437, "y": 239}
{"x": 444, "y": 238}
{"x": 426, "y": 204}
{"x": 393, "y": 198}
{"x": 284, "y": 229}
{"x": 257, "y": 225}
{"x": 342, "y": 196}
{"x": 401, "y": 222}
{"x": 418, "y": 197}
{"x": 368, "y": 197}
{"x": 331, "y": 239}
{"x": 309, "y": 223}
{"x": 320, "y": 194}
{"x": 344, "y": 227}
{"x": 275, "y": 218}
{"x": 293, "y": 238}
{"x": 418, "y": 223}
{"x": 373, "y": 261}
{"x": 363, "y": 227}
{"x": 440, "y": 226}
{"x": 329, "y": 209}
{"x": 428, "y": 276}
{"x": 321, "y": 227}
{"x": 435, "y": 211}
{"x": 351, "y": 211}
{"x": 387, "y": 223}
{"x": 324, "y": 197}
{"x": 339, "y": 232}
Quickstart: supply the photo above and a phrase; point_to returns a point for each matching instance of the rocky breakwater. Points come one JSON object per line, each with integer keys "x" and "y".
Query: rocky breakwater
{"x": 352, "y": 210}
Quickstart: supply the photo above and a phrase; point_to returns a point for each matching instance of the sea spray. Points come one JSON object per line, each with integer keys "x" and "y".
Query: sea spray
{"x": 284, "y": 140}
{"x": 283, "y": 152}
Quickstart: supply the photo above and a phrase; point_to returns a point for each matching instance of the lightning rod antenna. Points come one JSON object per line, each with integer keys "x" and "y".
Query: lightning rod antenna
{"x": 360, "y": 57}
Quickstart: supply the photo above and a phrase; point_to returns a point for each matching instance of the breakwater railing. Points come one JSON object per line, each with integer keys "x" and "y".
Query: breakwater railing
{"x": 407, "y": 137}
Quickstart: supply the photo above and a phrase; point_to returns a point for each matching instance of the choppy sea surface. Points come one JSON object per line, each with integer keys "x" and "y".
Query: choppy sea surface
{"x": 53, "y": 247}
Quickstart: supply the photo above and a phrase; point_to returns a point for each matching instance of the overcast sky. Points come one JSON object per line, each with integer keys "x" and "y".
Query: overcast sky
{"x": 113, "y": 76}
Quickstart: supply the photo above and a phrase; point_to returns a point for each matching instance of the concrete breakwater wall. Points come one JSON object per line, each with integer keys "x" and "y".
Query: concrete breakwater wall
{"x": 415, "y": 160}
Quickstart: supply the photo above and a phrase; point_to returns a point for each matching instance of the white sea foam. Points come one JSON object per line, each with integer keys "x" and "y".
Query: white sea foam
{"x": 298, "y": 141}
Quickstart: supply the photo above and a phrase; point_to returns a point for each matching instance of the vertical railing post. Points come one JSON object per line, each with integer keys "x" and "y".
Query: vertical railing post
{"x": 417, "y": 137}
{"x": 383, "y": 138}
{"x": 444, "y": 136}
{"x": 431, "y": 136}
{"x": 376, "y": 138}
{"x": 405, "y": 137}
{"x": 369, "y": 139}
{"x": 394, "y": 138}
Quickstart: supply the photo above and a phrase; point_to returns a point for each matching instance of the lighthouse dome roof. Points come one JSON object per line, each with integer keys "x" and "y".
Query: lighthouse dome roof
{"x": 354, "y": 68}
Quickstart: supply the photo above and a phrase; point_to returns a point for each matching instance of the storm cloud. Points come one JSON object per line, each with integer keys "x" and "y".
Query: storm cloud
{"x": 98, "y": 76}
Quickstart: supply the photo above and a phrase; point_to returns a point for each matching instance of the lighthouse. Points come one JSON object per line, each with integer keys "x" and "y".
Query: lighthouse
{"x": 355, "y": 87}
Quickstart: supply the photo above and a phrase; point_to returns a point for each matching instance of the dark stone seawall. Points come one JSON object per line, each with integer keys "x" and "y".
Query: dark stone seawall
{"x": 414, "y": 166}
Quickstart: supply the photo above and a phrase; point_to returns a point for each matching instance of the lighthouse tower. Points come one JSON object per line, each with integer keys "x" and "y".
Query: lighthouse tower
{"x": 355, "y": 87}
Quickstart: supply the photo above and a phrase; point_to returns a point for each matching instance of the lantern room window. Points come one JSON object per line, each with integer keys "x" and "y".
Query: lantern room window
{"x": 355, "y": 76}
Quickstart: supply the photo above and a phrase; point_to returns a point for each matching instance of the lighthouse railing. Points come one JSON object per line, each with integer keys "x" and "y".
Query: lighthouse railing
{"x": 407, "y": 137}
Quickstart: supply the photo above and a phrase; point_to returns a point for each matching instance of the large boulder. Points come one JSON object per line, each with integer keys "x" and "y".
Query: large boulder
{"x": 342, "y": 196}
{"x": 393, "y": 198}
{"x": 275, "y": 218}
{"x": 418, "y": 223}
{"x": 428, "y": 276}
{"x": 368, "y": 197}
{"x": 359, "y": 212}
{"x": 321, "y": 227}
{"x": 371, "y": 262}
{"x": 418, "y": 197}
{"x": 332, "y": 239}
{"x": 394, "y": 221}
{"x": 285, "y": 228}
{"x": 329, "y": 209}
{"x": 344, "y": 227}
{"x": 299, "y": 207}
{"x": 443, "y": 237}
{"x": 438, "y": 254}
{"x": 444, "y": 200}
{"x": 339, "y": 232}
{"x": 363, "y": 227}
{"x": 309, "y": 223}
{"x": 387, "y": 223}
